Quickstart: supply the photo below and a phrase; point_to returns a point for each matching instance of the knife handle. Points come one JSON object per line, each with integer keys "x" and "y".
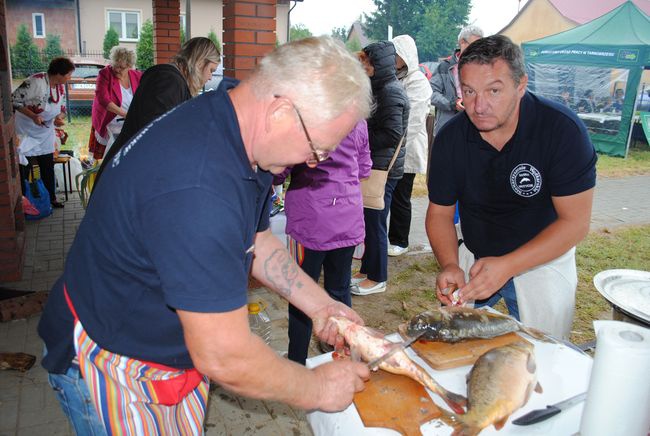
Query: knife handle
{"x": 536, "y": 416}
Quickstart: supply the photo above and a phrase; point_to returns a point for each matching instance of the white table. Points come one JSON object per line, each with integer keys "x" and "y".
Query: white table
{"x": 599, "y": 117}
{"x": 562, "y": 372}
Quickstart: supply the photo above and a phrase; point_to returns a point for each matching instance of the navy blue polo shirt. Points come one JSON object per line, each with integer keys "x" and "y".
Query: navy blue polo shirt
{"x": 505, "y": 196}
{"x": 170, "y": 227}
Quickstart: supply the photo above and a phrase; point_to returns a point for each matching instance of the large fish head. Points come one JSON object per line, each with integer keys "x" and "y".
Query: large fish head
{"x": 430, "y": 322}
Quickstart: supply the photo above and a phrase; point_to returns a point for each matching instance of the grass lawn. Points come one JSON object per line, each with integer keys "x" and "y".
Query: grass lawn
{"x": 627, "y": 248}
{"x": 78, "y": 133}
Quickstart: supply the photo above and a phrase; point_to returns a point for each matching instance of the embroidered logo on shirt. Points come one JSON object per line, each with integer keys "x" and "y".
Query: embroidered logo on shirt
{"x": 525, "y": 180}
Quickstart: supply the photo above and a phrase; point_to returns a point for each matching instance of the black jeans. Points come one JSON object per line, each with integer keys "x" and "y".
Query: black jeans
{"x": 46, "y": 165}
{"x": 336, "y": 265}
{"x": 400, "y": 212}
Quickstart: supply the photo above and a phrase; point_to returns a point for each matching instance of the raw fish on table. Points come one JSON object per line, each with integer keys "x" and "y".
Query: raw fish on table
{"x": 455, "y": 323}
{"x": 500, "y": 382}
{"x": 370, "y": 344}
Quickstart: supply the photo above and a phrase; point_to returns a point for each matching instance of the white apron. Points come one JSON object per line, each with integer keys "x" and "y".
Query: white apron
{"x": 545, "y": 293}
{"x": 37, "y": 140}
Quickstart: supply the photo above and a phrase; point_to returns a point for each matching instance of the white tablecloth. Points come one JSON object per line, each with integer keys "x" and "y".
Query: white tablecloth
{"x": 562, "y": 372}
{"x": 599, "y": 117}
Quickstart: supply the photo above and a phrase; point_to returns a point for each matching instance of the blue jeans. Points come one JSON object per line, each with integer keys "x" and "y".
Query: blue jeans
{"x": 508, "y": 293}
{"x": 76, "y": 402}
{"x": 375, "y": 257}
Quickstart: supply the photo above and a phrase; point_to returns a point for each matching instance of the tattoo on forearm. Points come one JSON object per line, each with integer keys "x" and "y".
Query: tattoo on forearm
{"x": 282, "y": 272}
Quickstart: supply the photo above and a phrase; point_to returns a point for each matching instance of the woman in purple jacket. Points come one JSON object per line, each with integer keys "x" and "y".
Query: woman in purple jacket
{"x": 324, "y": 211}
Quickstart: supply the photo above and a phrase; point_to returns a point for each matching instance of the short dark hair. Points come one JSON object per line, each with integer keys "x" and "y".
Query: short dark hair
{"x": 60, "y": 65}
{"x": 486, "y": 51}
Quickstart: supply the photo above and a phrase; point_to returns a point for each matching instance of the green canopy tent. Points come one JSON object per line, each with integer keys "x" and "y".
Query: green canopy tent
{"x": 595, "y": 69}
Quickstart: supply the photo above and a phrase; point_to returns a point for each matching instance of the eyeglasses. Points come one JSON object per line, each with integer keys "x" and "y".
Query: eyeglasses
{"x": 317, "y": 156}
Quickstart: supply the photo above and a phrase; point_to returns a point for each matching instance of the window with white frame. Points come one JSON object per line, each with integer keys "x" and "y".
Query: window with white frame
{"x": 38, "y": 24}
{"x": 126, "y": 24}
{"x": 183, "y": 26}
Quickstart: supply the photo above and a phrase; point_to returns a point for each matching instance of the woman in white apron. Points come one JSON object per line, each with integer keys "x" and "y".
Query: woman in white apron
{"x": 40, "y": 105}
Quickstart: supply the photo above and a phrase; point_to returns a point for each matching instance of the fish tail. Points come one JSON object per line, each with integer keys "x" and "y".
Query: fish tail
{"x": 464, "y": 430}
{"x": 537, "y": 334}
{"x": 461, "y": 428}
{"x": 456, "y": 401}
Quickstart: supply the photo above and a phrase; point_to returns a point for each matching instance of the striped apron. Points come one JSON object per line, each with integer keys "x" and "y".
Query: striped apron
{"x": 133, "y": 397}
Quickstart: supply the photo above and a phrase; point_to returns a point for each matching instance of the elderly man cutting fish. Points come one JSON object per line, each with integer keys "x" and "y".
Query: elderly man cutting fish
{"x": 523, "y": 171}
{"x": 152, "y": 302}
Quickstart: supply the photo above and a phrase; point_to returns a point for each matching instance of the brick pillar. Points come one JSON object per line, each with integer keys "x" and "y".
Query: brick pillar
{"x": 166, "y": 29}
{"x": 12, "y": 220}
{"x": 248, "y": 34}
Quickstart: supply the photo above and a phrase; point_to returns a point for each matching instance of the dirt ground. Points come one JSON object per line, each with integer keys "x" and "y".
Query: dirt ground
{"x": 410, "y": 290}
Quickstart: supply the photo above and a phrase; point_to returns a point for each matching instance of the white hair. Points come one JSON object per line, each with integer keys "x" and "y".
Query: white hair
{"x": 468, "y": 31}
{"x": 320, "y": 77}
{"x": 122, "y": 56}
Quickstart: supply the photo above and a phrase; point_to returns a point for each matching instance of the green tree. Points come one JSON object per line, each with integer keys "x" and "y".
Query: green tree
{"x": 111, "y": 39}
{"x": 144, "y": 47}
{"x": 212, "y": 36}
{"x": 298, "y": 31}
{"x": 444, "y": 21}
{"x": 52, "y": 47}
{"x": 25, "y": 56}
{"x": 183, "y": 37}
{"x": 340, "y": 33}
{"x": 434, "y": 24}
{"x": 353, "y": 45}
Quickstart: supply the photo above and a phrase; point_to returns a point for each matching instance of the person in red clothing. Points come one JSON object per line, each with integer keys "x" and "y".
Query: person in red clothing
{"x": 116, "y": 84}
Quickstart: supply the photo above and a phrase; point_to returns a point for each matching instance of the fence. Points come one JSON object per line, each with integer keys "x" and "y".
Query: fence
{"x": 30, "y": 62}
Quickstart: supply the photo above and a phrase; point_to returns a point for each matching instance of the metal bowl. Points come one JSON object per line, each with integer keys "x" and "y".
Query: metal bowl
{"x": 628, "y": 291}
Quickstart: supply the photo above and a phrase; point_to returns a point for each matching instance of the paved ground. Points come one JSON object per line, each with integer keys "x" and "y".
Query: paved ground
{"x": 28, "y": 406}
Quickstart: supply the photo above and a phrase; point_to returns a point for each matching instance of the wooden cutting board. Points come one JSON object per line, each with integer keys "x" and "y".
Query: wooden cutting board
{"x": 396, "y": 402}
{"x": 442, "y": 355}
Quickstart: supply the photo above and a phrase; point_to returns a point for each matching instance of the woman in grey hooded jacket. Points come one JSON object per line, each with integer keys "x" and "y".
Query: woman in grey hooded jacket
{"x": 419, "y": 93}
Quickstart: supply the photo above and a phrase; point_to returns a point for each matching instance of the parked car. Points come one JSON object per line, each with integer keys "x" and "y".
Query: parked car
{"x": 81, "y": 87}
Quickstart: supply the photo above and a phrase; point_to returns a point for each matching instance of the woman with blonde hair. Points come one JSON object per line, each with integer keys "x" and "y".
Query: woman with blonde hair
{"x": 165, "y": 86}
{"x": 116, "y": 84}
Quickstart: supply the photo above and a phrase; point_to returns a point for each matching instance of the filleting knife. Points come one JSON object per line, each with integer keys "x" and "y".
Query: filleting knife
{"x": 397, "y": 347}
{"x": 540, "y": 415}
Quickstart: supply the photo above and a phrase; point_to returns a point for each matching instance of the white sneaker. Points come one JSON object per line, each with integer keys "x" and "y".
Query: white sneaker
{"x": 356, "y": 280}
{"x": 396, "y": 250}
{"x": 359, "y": 290}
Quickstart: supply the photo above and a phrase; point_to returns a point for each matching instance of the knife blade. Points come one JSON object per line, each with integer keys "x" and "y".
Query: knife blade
{"x": 540, "y": 415}
{"x": 397, "y": 347}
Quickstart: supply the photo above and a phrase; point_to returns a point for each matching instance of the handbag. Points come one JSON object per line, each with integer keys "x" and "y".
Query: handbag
{"x": 373, "y": 187}
{"x": 39, "y": 197}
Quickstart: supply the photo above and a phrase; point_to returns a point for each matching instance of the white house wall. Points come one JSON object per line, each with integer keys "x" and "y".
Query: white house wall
{"x": 206, "y": 16}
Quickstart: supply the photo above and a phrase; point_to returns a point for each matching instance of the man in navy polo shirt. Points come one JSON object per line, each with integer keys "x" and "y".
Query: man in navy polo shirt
{"x": 155, "y": 284}
{"x": 523, "y": 171}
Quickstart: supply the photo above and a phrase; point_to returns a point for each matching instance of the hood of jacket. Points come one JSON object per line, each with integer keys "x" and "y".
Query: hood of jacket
{"x": 406, "y": 49}
{"x": 382, "y": 58}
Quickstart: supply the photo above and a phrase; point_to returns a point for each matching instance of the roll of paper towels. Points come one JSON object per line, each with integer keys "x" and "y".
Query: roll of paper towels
{"x": 618, "y": 399}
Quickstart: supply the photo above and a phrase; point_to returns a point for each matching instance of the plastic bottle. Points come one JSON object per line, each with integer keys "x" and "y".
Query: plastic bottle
{"x": 259, "y": 321}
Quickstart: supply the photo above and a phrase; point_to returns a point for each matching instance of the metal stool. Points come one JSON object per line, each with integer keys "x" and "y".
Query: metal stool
{"x": 65, "y": 161}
